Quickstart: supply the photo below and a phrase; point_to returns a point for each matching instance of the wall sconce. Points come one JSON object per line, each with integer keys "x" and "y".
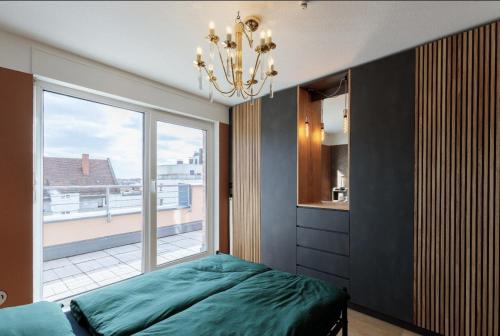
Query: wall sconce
{"x": 307, "y": 127}
{"x": 346, "y": 116}
{"x": 322, "y": 124}
{"x": 346, "y": 122}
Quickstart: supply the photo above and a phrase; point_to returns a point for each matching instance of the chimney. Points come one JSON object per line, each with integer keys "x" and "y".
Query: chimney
{"x": 85, "y": 165}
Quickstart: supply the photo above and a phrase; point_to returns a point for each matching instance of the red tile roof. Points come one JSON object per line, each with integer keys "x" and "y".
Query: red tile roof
{"x": 68, "y": 172}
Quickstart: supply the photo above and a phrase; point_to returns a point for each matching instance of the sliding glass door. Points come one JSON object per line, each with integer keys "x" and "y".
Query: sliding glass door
{"x": 92, "y": 196}
{"x": 120, "y": 190}
{"x": 179, "y": 202}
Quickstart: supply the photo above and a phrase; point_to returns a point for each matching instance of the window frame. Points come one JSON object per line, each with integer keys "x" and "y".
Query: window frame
{"x": 150, "y": 115}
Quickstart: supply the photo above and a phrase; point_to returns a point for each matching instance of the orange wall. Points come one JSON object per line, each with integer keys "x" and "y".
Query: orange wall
{"x": 16, "y": 202}
{"x": 89, "y": 228}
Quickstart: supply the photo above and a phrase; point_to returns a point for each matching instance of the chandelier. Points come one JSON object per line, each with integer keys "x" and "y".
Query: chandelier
{"x": 231, "y": 60}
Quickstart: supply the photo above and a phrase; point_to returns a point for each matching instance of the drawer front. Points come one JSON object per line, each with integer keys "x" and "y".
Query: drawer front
{"x": 323, "y": 261}
{"x": 334, "y": 242}
{"x": 335, "y": 280}
{"x": 331, "y": 220}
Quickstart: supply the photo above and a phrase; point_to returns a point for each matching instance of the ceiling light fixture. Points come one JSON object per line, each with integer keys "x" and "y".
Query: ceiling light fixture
{"x": 232, "y": 61}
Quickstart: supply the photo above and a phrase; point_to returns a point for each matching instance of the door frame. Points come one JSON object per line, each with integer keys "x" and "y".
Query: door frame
{"x": 150, "y": 115}
{"x": 208, "y": 128}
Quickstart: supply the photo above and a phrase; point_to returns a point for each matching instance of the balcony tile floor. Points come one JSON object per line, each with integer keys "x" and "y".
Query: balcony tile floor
{"x": 74, "y": 275}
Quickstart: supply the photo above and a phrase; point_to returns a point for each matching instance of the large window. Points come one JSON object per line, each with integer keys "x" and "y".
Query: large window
{"x": 121, "y": 190}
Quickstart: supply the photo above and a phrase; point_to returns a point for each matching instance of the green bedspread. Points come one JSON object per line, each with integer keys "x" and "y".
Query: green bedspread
{"x": 135, "y": 304}
{"x": 40, "y": 319}
{"x": 271, "y": 303}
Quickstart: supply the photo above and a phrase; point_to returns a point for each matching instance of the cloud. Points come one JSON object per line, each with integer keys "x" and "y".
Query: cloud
{"x": 74, "y": 126}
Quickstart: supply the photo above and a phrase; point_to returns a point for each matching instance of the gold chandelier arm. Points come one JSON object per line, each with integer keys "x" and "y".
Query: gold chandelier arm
{"x": 223, "y": 66}
{"x": 243, "y": 94}
{"x": 250, "y": 41}
{"x": 260, "y": 88}
{"x": 256, "y": 67}
{"x": 216, "y": 86}
{"x": 232, "y": 72}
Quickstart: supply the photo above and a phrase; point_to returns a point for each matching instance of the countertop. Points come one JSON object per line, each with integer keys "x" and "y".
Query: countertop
{"x": 327, "y": 205}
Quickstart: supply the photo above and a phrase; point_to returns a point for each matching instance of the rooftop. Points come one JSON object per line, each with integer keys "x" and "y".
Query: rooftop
{"x": 83, "y": 171}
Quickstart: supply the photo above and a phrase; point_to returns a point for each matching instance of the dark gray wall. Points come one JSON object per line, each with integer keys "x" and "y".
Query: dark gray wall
{"x": 381, "y": 185}
{"x": 279, "y": 180}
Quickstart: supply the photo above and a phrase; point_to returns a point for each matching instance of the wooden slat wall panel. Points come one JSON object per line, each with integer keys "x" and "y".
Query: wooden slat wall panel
{"x": 224, "y": 188}
{"x": 246, "y": 180}
{"x": 457, "y": 184}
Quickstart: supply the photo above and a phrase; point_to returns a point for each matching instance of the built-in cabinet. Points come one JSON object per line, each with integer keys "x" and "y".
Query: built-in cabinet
{"x": 323, "y": 244}
{"x": 381, "y": 182}
{"x": 279, "y": 180}
{"x": 366, "y": 247}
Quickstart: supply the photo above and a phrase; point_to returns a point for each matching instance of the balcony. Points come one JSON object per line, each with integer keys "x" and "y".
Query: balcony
{"x": 92, "y": 234}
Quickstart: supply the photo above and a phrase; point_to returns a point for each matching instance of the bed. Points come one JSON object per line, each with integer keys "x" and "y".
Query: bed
{"x": 216, "y": 295}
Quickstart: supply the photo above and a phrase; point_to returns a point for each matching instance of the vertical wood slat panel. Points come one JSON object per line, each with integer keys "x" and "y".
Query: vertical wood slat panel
{"x": 494, "y": 110}
{"x": 463, "y": 179}
{"x": 453, "y": 189}
{"x": 457, "y": 184}
{"x": 496, "y": 292}
{"x": 246, "y": 180}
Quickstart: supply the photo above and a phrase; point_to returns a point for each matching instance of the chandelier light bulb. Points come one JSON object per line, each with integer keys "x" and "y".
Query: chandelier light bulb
{"x": 211, "y": 28}
{"x": 199, "y": 52}
{"x": 251, "y": 71}
{"x": 229, "y": 32}
{"x": 210, "y": 67}
{"x": 271, "y": 64}
{"x": 269, "y": 36}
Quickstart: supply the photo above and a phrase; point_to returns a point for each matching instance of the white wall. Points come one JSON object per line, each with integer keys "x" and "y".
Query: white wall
{"x": 55, "y": 65}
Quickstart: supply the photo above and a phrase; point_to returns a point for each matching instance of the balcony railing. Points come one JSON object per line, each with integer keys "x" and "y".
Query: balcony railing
{"x": 75, "y": 202}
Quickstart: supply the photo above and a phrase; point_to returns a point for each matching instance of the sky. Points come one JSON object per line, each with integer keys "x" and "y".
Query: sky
{"x": 75, "y": 126}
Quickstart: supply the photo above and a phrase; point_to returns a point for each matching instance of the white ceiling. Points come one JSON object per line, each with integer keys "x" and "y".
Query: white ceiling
{"x": 157, "y": 40}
